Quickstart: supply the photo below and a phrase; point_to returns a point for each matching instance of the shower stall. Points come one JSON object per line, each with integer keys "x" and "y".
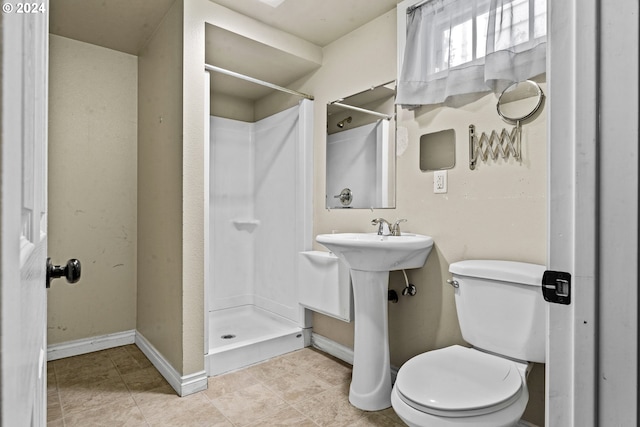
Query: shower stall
{"x": 259, "y": 220}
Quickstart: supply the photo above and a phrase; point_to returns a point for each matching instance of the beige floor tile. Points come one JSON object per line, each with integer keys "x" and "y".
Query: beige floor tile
{"x": 143, "y": 379}
{"x": 287, "y": 417}
{"x": 228, "y": 383}
{"x": 80, "y": 397}
{"x": 75, "y": 363}
{"x": 194, "y": 410}
{"x": 271, "y": 369}
{"x": 331, "y": 371}
{"x": 249, "y": 404}
{"x": 324, "y": 367}
{"x": 155, "y": 400}
{"x": 163, "y": 407}
{"x": 389, "y": 412}
{"x": 54, "y": 408}
{"x": 121, "y": 413}
{"x": 126, "y": 362}
{"x": 204, "y": 416}
{"x": 295, "y": 386}
{"x": 138, "y": 355}
{"x": 52, "y": 383}
{"x": 330, "y": 408}
{"x": 87, "y": 373}
{"x": 305, "y": 356}
{"x": 120, "y": 387}
{"x": 376, "y": 419}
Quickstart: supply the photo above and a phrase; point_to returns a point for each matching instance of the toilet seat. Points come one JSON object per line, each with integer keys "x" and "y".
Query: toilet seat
{"x": 459, "y": 382}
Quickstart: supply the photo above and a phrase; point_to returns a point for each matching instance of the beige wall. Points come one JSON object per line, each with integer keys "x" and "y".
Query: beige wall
{"x": 496, "y": 211}
{"x": 160, "y": 195}
{"x": 92, "y": 188}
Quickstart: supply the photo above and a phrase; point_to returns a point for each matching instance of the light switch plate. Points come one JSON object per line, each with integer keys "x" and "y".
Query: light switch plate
{"x": 440, "y": 181}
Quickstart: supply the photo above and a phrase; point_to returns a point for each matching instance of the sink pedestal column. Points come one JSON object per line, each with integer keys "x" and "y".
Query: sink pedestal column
{"x": 371, "y": 379}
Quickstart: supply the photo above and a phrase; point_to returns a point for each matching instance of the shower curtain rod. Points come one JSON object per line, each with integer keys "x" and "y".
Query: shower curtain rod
{"x": 362, "y": 110}
{"x": 252, "y": 80}
{"x": 417, "y": 5}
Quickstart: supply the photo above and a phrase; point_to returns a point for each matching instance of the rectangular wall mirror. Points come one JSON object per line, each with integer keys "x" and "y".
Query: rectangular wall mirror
{"x": 361, "y": 150}
{"x": 438, "y": 150}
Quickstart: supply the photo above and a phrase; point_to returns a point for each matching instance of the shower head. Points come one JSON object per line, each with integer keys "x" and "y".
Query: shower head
{"x": 341, "y": 122}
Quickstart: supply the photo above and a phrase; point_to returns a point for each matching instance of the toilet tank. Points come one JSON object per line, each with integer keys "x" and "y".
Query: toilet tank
{"x": 501, "y": 308}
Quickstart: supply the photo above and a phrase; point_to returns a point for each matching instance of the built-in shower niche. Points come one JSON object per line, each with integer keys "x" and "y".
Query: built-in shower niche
{"x": 258, "y": 225}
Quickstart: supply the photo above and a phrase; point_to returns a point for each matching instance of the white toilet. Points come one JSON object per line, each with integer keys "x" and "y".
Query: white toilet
{"x": 502, "y": 315}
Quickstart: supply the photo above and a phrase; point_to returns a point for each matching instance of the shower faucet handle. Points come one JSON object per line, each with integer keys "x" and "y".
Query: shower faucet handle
{"x": 345, "y": 196}
{"x": 395, "y": 228}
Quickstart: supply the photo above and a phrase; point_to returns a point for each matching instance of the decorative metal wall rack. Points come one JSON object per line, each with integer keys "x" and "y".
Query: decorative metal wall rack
{"x": 494, "y": 145}
{"x": 505, "y": 144}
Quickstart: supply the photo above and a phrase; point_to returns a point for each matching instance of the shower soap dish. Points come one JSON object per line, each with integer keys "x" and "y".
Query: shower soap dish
{"x": 247, "y": 225}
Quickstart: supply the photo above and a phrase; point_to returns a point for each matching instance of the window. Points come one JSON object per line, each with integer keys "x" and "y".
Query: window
{"x": 458, "y": 47}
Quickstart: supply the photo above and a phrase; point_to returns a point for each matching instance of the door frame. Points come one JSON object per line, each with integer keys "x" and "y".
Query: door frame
{"x": 592, "y": 70}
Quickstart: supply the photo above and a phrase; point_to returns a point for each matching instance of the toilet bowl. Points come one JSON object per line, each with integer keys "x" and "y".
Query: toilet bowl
{"x": 459, "y": 386}
{"x": 501, "y": 313}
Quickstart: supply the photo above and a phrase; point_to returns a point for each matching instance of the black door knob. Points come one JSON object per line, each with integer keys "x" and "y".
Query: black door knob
{"x": 71, "y": 271}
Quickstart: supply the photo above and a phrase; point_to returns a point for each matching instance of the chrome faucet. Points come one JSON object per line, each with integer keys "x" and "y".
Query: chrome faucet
{"x": 395, "y": 228}
{"x": 384, "y": 228}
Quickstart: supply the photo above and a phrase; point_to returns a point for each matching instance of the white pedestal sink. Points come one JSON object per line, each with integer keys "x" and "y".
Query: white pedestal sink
{"x": 370, "y": 258}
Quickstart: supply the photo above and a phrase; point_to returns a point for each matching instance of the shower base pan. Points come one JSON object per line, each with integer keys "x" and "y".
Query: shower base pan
{"x": 243, "y": 336}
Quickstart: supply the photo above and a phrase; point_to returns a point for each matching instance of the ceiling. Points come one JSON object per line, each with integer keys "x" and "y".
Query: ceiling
{"x": 126, "y": 25}
{"x": 123, "y": 25}
{"x": 317, "y": 21}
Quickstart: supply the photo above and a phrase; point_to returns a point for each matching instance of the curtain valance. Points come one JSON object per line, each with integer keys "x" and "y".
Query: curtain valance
{"x": 461, "y": 47}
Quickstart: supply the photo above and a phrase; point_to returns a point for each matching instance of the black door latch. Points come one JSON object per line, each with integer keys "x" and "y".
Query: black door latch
{"x": 556, "y": 287}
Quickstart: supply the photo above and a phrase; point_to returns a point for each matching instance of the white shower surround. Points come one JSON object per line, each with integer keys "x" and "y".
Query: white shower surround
{"x": 358, "y": 159}
{"x": 260, "y": 218}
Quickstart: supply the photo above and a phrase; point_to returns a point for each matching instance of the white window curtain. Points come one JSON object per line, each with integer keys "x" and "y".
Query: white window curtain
{"x": 459, "y": 47}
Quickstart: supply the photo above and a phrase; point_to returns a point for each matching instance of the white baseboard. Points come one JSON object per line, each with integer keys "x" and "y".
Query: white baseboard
{"x": 89, "y": 345}
{"x": 339, "y": 351}
{"x": 331, "y": 347}
{"x": 183, "y": 385}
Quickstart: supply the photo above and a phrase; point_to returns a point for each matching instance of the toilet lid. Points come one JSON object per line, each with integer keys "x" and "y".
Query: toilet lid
{"x": 458, "y": 379}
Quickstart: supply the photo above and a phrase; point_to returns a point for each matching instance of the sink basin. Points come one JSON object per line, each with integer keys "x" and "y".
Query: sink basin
{"x": 370, "y": 258}
{"x": 371, "y": 252}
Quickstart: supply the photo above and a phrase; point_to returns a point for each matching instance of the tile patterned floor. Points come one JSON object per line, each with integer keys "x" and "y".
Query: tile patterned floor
{"x": 120, "y": 387}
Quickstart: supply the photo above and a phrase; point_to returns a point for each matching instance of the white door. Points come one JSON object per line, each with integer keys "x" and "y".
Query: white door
{"x": 23, "y": 224}
{"x": 592, "y": 371}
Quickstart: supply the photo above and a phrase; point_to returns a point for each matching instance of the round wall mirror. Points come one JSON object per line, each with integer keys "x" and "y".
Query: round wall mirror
{"x": 520, "y": 101}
